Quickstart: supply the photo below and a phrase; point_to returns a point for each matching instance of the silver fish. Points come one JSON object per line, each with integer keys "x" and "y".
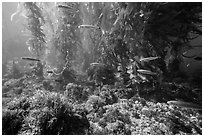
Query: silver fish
{"x": 88, "y": 26}
{"x": 143, "y": 71}
{"x": 30, "y": 59}
{"x": 187, "y": 105}
{"x": 148, "y": 59}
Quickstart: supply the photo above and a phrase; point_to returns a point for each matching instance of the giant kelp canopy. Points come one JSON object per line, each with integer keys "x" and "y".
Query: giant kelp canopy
{"x": 73, "y": 35}
{"x": 171, "y": 23}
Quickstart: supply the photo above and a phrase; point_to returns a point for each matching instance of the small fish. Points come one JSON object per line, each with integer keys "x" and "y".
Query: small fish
{"x": 96, "y": 64}
{"x": 30, "y": 59}
{"x": 88, "y": 26}
{"x": 32, "y": 64}
{"x": 142, "y": 71}
{"x": 50, "y": 71}
{"x": 71, "y": 9}
{"x": 30, "y": 49}
{"x": 188, "y": 56}
{"x": 148, "y": 59}
{"x": 63, "y": 6}
{"x": 58, "y": 80}
{"x": 198, "y": 58}
{"x": 185, "y": 105}
{"x": 196, "y": 90}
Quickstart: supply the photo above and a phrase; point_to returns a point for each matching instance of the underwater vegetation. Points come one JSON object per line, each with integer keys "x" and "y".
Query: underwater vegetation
{"x": 104, "y": 68}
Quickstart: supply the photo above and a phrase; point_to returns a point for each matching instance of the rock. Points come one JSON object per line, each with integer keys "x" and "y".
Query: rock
{"x": 146, "y": 111}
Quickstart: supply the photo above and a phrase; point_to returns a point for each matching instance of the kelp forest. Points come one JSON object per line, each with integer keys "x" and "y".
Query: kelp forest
{"x": 105, "y": 68}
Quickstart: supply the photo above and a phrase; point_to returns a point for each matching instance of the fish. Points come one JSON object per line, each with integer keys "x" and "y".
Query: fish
{"x": 32, "y": 64}
{"x": 183, "y": 104}
{"x": 198, "y": 58}
{"x": 50, "y": 71}
{"x": 143, "y": 71}
{"x": 56, "y": 80}
{"x": 188, "y": 56}
{"x": 71, "y": 9}
{"x": 63, "y": 6}
{"x": 96, "y": 64}
{"x": 30, "y": 59}
{"x": 148, "y": 59}
{"x": 88, "y": 26}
